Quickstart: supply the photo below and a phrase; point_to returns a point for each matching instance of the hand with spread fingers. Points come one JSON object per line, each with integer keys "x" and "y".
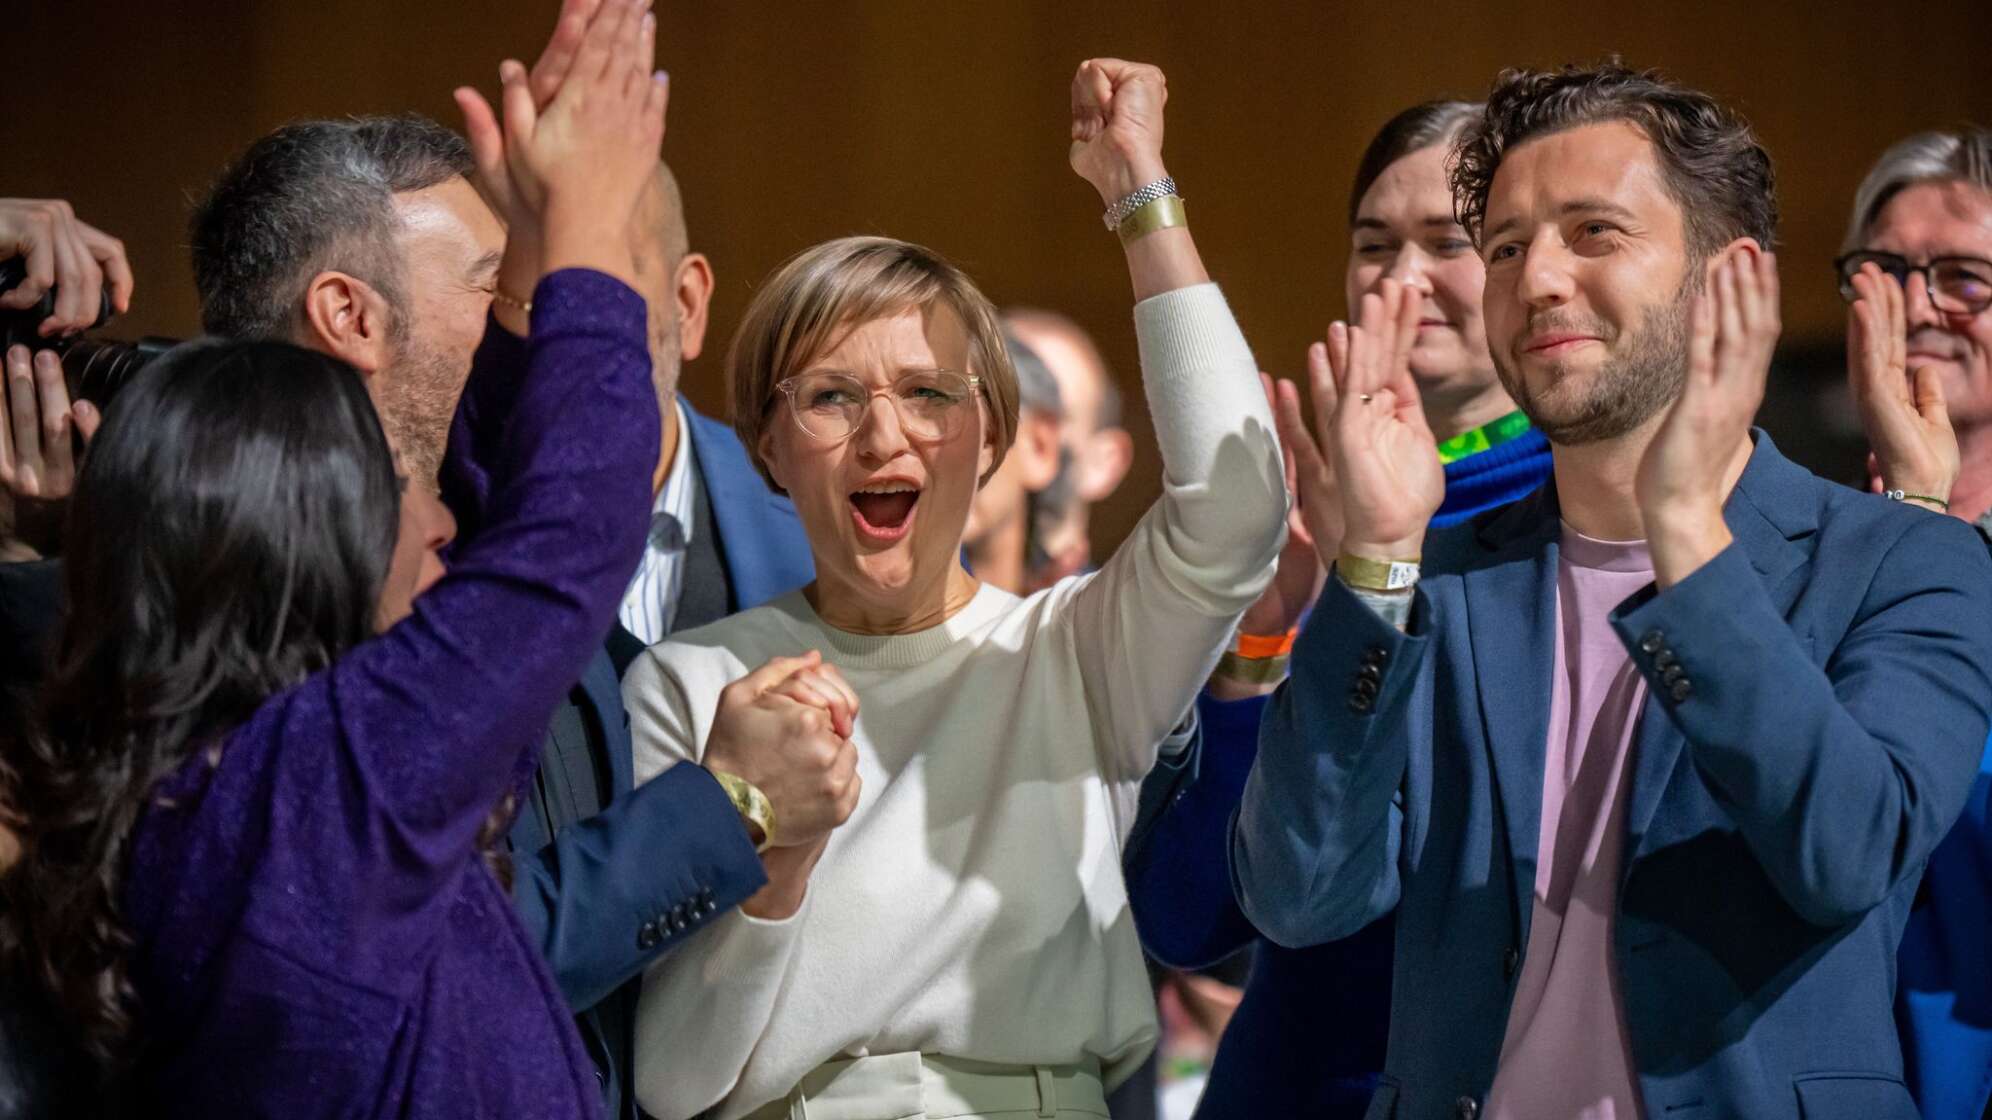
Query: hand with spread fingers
{"x": 578, "y": 143}
{"x": 1903, "y": 412}
{"x": 1374, "y": 452}
{"x": 1297, "y": 579}
{"x": 59, "y": 251}
{"x": 1688, "y": 468}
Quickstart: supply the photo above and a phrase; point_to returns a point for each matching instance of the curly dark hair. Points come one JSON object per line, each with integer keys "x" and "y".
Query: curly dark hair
{"x": 1712, "y": 162}
{"x": 229, "y": 535}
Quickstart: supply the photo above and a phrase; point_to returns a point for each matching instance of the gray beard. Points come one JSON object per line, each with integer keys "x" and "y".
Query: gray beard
{"x": 1634, "y": 384}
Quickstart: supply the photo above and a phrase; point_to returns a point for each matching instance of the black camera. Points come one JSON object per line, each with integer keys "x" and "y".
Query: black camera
{"x": 94, "y": 368}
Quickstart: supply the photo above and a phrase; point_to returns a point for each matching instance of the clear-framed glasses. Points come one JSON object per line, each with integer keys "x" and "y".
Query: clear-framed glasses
{"x": 933, "y": 405}
{"x": 1957, "y": 285}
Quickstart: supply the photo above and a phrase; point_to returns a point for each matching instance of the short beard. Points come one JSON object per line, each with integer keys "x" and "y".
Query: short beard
{"x": 1633, "y": 385}
{"x": 417, "y": 402}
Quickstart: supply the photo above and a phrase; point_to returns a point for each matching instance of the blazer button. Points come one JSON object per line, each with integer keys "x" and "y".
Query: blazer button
{"x": 1665, "y": 660}
{"x": 1369, "y": 673}
{"x": 1367, "y": 686}
{"x": 1359, "y": 704}
{"x": 1466, "y": 1108}
{"x": 1651, "y": 642}
{"x": 680, "y": 923}
{"x": 1672, "y": 673}
{"x": 1510, "y": 961}
{"x": 1375, "y": 655}
{"x": 646, "y": 938}
{"x": 1680, "y": 689}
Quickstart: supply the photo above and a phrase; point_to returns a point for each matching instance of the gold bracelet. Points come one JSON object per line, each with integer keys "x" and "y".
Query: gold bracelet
{"x": 1252, "y": 670}
{"x": 1163, "y": 213}
{"x": 1377, "y": 575}
{"x": 498, "y": 295}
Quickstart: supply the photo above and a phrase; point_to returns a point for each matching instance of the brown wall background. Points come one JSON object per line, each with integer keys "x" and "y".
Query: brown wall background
{"x": 944, "y": 122}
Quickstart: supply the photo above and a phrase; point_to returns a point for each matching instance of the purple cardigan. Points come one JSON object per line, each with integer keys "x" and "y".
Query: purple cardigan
{"x": 316, "y": 933}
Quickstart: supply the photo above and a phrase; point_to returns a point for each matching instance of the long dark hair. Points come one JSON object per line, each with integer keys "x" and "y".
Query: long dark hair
{"x": 230, "y": 534}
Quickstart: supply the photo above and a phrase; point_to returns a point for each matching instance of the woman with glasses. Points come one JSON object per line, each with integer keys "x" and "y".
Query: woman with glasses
{"x": 1918, "y": 280}
{"x": 961, "y": 945}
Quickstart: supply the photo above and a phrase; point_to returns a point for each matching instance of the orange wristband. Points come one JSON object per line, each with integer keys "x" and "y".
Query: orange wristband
{"x": 1260, "y": 647}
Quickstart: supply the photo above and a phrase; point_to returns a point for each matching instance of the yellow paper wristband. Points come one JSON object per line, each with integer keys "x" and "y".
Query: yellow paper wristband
{"x": 1163, "y": 213}
{"x": 1377, "y": 575}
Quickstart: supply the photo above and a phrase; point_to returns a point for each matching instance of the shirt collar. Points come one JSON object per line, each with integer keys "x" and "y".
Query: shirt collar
{"x": 673, "y": 507}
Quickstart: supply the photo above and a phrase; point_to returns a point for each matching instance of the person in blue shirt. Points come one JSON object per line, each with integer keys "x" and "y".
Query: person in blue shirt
{"x": 1308, "y": 1038}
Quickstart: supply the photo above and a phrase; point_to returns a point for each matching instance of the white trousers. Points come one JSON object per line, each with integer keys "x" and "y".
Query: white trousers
{"x": 932, "y": 1087}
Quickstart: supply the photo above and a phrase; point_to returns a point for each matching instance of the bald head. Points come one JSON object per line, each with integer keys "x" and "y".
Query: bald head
{"x": 676, "y": 282}
{"x": 660, "y": 221}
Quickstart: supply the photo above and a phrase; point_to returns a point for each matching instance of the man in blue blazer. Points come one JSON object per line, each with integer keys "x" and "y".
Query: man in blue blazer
{"x": 1649, "y": 854}
{"x": 619, "y": 874}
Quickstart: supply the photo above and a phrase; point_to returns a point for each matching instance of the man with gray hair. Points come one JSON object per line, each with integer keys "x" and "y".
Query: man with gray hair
{"x": 1917, "y": 267}
{"x": 364, "y": 238}
{"x": 1923, "y": 218}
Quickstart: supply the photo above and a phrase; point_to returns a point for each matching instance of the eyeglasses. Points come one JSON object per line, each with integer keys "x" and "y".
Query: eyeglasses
{"x": 933, "y": 405}
{"x": 1957, "y": 285}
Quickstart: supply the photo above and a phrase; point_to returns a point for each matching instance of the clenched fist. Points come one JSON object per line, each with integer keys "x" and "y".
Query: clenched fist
{"x": 1117, "y": 125}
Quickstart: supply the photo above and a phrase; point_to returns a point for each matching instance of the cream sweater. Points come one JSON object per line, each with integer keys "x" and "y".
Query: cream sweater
{"x": 973, "y": 904}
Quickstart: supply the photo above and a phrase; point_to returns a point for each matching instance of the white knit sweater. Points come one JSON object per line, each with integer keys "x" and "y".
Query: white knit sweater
{"x": 973, "y": 904}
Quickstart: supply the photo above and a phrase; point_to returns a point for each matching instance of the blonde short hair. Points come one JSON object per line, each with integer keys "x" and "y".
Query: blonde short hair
{"x": 823, "y": 292}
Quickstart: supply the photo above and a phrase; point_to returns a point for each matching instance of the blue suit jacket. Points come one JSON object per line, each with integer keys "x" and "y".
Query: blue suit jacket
{"x": 1782, "y": 805}
{"x": 610, "y": 894}
{"x": 1272, "y": 1060}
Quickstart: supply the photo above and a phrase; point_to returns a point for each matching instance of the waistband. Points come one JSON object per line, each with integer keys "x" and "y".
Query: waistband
{"x": 914, "y": 1086}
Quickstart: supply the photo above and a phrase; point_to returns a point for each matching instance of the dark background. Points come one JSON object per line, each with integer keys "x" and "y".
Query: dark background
{"x": 944, "y": 122}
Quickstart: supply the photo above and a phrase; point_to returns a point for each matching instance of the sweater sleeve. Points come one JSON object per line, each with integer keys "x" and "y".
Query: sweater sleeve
{"x": 706, "y": 1006}
{"x": 1149, "y": 626}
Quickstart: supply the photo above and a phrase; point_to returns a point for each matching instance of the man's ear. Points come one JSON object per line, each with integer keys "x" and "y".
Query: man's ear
{"x": 1747, "y": 247}
{"x": 694, "y": 292}
{"x": 1036, "y": 449}
{"x": 1103, "y": 462}
{"x": 347, "y": 318}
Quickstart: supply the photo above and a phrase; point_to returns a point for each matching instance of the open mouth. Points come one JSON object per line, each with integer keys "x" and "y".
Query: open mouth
{"x": 883, "y": 511}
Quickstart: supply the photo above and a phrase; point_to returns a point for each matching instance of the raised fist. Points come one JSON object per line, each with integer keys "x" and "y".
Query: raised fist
{"x": 1117, "y": 125}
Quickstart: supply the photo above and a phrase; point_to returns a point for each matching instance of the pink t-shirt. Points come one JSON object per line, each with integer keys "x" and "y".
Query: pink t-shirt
{"x": 1566, "y": 1054}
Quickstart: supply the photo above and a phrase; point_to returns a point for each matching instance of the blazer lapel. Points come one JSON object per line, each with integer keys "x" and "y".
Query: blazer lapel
{"x": 1511, "y": 628}
{"x": 1769, "y": 513}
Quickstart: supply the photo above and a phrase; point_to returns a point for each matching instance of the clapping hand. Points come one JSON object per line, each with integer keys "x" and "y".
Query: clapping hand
{"x": 1903, "y": 413}
{"x": 1686, "y": 473}
{"x": 1372, "y": 457}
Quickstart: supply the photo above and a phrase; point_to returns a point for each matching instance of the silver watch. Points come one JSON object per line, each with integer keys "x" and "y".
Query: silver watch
{"x": 1118, "y": 212}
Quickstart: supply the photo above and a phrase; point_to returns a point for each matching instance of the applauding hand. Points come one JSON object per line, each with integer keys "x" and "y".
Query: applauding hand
{"x": 1907, "y": 424}
{"x": 1691, "y": 463}
{"x": 1374, "y": 460}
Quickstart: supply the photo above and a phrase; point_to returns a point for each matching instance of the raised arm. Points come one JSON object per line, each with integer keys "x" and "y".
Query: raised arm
{"x": 1150, "y": 625}
{"x": 429, "y": 722}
